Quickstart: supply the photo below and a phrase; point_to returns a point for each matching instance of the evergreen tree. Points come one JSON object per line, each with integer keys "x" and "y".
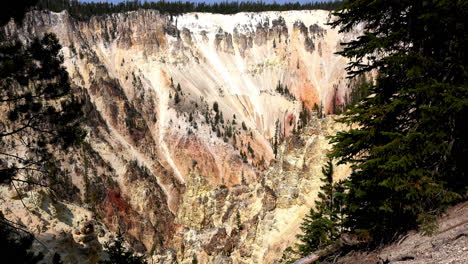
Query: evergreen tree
{"x": 322, "y": 226}
{"x": 279, "y": 88}
{"x": 56, "y": 259}
{"x": 176, "y": 98}
{"x": 316, "y": 108}
{"x": 15, "y": 244}
{"x": 360, "y": 89}
{"x": 408, "y": 143}
{"x": 275, "y": 140}
{"x": 35, "y": 89}
{"x": 244, "y": 127}
{"x": 221, "y": 119}
{"x": 85, "y": 10}
{"x": 304, "y": 116}
{"x": 335, "y": 106}
{"x": 118, "y": 254}
{"x": 250, "y": 150}
{"x": 40, "y": 113}
{"x": 321, "y": 113}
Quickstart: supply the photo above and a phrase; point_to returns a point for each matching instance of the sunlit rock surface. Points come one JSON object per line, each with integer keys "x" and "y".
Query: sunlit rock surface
{"x": 181, "y": 177}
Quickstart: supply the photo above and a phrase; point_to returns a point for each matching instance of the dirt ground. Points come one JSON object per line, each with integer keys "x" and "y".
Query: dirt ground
{"x": 449, "y": 245}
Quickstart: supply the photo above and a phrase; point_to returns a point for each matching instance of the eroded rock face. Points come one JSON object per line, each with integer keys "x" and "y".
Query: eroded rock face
{"x": 181, "y": 178}
{"x": 253, "y": 223}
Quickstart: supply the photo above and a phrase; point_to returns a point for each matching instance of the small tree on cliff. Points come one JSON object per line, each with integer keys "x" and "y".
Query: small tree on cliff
{"x": 118, "y": 254}
{"x": 275, "y": 140}
{"x": 323, "y": 224}
{"x": 304, "y": 116}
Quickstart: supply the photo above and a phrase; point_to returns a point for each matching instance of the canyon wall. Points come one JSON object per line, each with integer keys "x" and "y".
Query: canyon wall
{"x": 181, "y": 115}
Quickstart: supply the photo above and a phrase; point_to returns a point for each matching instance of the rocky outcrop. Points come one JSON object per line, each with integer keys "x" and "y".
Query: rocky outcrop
{"x": 181, "y": 114}
{"x": 253, "y": 223}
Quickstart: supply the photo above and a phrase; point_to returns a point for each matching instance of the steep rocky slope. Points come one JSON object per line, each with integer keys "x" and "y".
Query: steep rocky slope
{"x": 181, "y": 116}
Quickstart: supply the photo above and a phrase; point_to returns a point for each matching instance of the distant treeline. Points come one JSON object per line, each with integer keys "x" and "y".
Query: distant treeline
{"x": 83, "y": 10}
